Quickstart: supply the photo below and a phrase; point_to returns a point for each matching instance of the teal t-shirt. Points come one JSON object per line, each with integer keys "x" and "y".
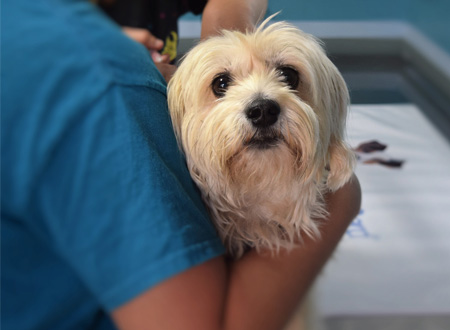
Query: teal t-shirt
{"x": 97, "y": 205}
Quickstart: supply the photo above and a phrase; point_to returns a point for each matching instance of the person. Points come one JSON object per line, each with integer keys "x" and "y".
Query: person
{"x": 102, "y": 227}
{"x": 154, "y": 23}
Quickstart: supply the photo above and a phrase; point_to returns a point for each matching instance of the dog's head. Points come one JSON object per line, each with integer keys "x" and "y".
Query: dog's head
{"x": 252, "y": 94}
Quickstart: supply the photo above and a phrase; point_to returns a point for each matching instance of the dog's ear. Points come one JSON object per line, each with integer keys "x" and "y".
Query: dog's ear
{"x": 341, "y": 164}
{"x": 331, "y": 98}
{"x": 341, "y": 159}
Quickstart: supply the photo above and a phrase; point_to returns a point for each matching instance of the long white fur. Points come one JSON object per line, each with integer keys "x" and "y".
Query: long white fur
{"x": 262, "y": 198}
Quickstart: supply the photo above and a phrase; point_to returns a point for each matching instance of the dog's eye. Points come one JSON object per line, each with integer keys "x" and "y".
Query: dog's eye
{"x": 220, "y": 84}
{"x": 289, "y": 76}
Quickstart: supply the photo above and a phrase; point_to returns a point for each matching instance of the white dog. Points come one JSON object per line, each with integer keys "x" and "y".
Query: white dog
{"x": 261, "y": 117}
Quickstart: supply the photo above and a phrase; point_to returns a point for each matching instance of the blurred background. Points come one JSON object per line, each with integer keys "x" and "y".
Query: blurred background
{"x": 432, "y": 17}
{"x": 392, "y": 268}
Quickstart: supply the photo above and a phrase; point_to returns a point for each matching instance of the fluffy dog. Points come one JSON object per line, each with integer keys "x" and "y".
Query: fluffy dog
{"x": 260, "y": 117}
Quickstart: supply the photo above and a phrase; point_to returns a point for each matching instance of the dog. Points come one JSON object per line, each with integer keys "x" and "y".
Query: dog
{"x": 260, "y": 117}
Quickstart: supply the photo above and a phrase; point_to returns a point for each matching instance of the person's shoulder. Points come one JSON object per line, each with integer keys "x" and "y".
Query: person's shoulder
{"x": 123, "y": 60}
{"x": 68, "y": 53}
{"x": 76, "y": 36}
{"x": 62, "y": 61}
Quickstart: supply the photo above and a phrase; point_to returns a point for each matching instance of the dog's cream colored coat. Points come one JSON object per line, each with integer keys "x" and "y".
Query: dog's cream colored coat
{"x": 262, "y": 197}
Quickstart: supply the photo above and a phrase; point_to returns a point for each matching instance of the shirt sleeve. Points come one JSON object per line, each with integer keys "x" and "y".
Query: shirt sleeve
{"x": 116, "y": 199}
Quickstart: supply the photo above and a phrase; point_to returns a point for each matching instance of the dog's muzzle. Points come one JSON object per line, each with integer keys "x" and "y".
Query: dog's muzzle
{"x": 263, "y": 113}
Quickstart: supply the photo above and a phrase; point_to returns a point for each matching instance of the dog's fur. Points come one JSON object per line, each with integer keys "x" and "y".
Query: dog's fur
{"x": 263, "y": 184}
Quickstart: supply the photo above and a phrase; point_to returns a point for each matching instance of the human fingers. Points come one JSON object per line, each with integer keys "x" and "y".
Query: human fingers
{"x": 160, "y": 58}
{"x": 144, "y": 37}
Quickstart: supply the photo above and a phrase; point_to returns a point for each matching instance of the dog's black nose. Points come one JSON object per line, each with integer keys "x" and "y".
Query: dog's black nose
{"x": 263, "y": 112}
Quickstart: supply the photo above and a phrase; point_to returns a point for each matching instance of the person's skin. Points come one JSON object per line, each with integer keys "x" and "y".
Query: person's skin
{"x": 231, "y": 15}
{"x": 259, "y": 291}
{"x": 154, "y": 46}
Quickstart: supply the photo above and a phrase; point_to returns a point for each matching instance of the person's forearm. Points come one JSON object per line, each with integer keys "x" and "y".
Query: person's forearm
{"x": 263, "y": 291}
{"x": 231, "y": 15}
{"x": 258, "y": 292}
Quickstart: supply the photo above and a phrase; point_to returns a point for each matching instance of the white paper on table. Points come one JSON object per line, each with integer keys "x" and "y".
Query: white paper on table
{"x": 395, "y": 257}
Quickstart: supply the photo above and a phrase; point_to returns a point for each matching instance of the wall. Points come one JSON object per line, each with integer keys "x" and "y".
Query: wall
{"x": 304, "y": 10}
{"x": 431, "y": 17}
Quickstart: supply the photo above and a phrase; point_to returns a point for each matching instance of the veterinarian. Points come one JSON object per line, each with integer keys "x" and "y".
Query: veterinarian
{"x": 102, "y": 227}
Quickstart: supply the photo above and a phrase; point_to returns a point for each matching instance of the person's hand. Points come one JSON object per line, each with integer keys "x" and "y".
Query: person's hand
{"x": 153, "y": 44}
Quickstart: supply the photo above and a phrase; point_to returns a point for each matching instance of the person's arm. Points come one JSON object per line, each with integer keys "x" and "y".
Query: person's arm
{"x": 232, "y": 15}
{"x": 258, "y": 291}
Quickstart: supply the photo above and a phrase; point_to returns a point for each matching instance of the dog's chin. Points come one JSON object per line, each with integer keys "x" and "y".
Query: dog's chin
{"x": 264, "y": 140}
{"x": 263, "y": 143}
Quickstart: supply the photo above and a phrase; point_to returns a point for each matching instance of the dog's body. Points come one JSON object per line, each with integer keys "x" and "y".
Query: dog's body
{"x": 261, "y": 117}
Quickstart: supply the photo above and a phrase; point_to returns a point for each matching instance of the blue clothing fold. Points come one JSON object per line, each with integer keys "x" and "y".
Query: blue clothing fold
{"x": 97, "y": 204}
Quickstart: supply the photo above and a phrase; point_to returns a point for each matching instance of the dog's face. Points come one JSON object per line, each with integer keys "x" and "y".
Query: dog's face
{"x": 272, "y": 96}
